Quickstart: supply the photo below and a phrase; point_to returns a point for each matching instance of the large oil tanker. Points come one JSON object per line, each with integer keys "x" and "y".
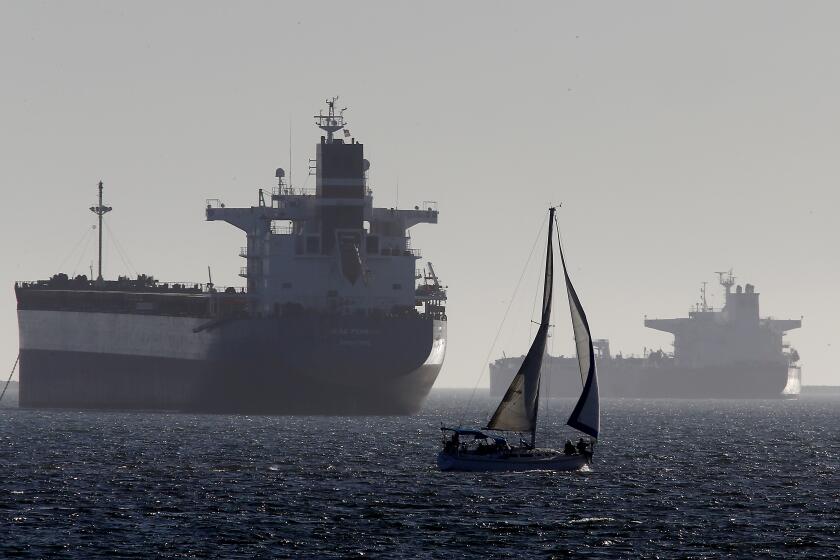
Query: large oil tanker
{"x": 335, "y": 318}
{"x": 718, "y": 353}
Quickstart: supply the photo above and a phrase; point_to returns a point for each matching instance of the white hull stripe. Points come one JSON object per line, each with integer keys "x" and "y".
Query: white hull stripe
{"x": 114, "y": 333}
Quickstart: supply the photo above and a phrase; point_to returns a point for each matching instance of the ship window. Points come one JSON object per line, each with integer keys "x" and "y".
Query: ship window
{"x": 397, "y": 286}
{"x": 313, "y": 244}
{"x": 282, "y": 227}
{"x": 373, "y": 244}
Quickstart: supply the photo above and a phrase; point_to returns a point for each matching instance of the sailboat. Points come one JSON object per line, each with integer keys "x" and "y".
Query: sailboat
{"x": 466, "y": 449}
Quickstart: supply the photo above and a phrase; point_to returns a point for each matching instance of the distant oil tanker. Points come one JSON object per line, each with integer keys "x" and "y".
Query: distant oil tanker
{"x": 718, "y": 353}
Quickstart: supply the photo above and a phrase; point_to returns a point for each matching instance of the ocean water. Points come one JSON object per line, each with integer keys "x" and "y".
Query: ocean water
{"x": 671, "y": 479}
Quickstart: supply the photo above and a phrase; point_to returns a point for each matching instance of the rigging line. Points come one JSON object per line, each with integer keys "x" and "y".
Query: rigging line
{"x": 9, "y": 380}
{"x": 123, "y": 255}
{"x": 82, "y": 254}
{"x": 122, "y": 258}
{"x": 115, "y": 242}
{"x": 499, "y": 331}
{"x": 76, "y": 246}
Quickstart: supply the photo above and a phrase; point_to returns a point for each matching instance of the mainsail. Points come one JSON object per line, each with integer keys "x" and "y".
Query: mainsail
{"x": 586, "y": 415}
{"x": 518, "y": 410}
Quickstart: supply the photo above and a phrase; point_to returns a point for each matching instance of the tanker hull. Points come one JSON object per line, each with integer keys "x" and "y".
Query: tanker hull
{"x": 309, "y": 364}
{"x": 635, "y": 378}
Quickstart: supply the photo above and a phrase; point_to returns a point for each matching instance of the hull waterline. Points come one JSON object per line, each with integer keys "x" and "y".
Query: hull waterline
{"x": 544, "y": 460}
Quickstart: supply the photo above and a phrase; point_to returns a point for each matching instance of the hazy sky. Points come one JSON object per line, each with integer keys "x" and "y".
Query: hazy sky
{"x": 682, "y": 138}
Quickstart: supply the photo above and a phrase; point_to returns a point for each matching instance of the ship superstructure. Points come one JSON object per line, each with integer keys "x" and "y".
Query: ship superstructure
{"x": 332, "y": 320}
{"x": 329, "y": 249}
{"x": 731, "y": 352}
{"x": 734, "y": 334}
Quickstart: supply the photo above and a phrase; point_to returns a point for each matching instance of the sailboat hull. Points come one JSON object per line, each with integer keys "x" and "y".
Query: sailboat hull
{"x": 530, "y": 460}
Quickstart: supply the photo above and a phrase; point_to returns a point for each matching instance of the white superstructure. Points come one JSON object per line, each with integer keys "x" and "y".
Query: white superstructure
{"x": 328, "y": 248}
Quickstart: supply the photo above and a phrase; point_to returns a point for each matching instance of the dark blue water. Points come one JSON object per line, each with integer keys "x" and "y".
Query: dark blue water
{"x": 705, "y": 479}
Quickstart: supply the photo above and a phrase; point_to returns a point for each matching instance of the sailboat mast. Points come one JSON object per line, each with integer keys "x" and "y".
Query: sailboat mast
{"x": 546, "y": 309}
{"x": 549, "y": 272}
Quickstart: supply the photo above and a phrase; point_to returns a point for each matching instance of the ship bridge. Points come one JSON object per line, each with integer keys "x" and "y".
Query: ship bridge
{"x": 734, "y": 334}
{"x": 328, "y": 248}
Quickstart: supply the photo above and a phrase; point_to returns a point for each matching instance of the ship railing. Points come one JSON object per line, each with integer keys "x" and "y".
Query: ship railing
{"x": 23, "y": 284}
{"x": 427, "y": 206}
{"x": 203, "y": 288}
{"x": 186, "y": 286}
{"x": 436, "y": 297}
{"x": 409, "y": 250}
{"x": 243, "y": 252}
{"x": 397, "y": 252}
{"x": 693, "y": 311}
{"x": 239, "y": 290}
{"x": 214, "y": 203}
{"x": 291, "y": 191}
{"x": 243, "y": 271}
{"x": 400, "y": 252}
{"x": 282, "y": 229}
{"x": 192, "y": 287}
{"x": 130, "y": 285}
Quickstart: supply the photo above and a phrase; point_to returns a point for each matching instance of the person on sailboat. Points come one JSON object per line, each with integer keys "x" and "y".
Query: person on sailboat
{"x": 453, "y": 443}
{"x": 582, "y": 446}
{"x": 569, "y": 449}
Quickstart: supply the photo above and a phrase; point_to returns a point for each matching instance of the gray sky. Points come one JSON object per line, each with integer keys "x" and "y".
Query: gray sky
{"x": 681, "y": 138}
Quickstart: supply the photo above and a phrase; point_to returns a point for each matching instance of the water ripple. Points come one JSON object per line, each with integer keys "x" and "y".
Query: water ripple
{"x": 706, "y": 479}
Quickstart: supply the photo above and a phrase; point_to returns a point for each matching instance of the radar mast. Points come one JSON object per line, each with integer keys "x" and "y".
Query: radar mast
{"x": 726, "y": 280}
{"x": 703, "y": 301}
{"x": 331, "y": 123}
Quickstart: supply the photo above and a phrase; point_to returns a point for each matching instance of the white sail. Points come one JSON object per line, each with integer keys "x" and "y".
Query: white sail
{"x": 586, "y": 415}
{"x": 518, "y": 410}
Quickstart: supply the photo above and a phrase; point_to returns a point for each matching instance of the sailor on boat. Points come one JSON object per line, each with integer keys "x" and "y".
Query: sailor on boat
{"x": 518, "y": 410}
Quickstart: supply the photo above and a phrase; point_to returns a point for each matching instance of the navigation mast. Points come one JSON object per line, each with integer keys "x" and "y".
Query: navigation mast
{"x": 331, "y": 123}
{"x": 726, "y": 280}
{"x": 100, "y": 211}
